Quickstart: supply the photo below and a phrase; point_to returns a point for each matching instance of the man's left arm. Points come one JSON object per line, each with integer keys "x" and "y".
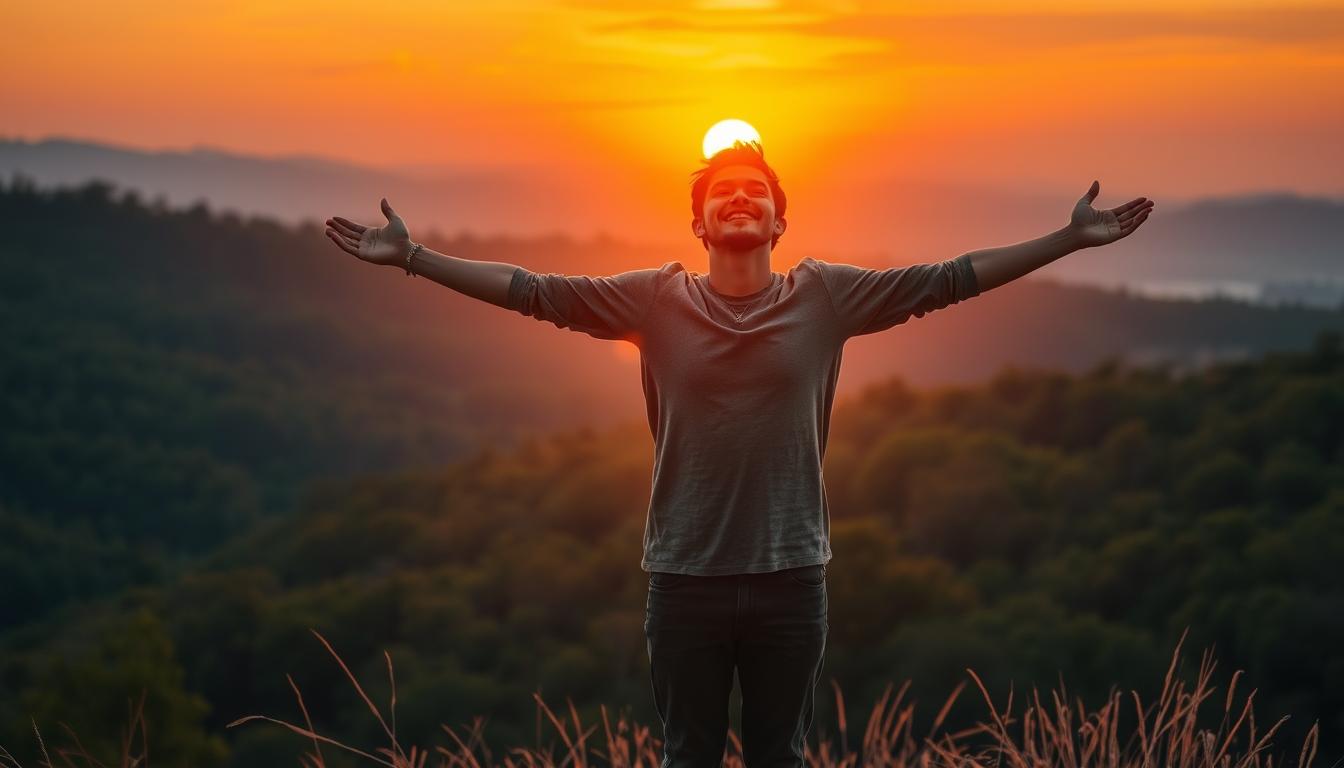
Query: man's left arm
{"x": 1087, "y": 227}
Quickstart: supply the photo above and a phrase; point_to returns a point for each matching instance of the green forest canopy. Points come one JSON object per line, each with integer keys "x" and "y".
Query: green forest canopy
{"x": 187, "y": 487}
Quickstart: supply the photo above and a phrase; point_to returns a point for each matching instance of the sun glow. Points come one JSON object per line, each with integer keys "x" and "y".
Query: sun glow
{"x": 722, "y": 134}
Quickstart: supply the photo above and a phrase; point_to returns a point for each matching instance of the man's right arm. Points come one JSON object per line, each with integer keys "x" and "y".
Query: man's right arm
{"x": 606, "y": 307}
{"x": 485, "y": 280}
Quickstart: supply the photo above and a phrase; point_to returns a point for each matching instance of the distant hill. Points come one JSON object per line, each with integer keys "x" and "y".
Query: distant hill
{"x": 1259, "y": 238}
{"x": 297, "y": 188}
{"x": 1270, "y": 237}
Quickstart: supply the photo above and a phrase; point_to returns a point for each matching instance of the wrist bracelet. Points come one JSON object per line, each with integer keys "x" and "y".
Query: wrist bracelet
{"x": 412, "y": 252}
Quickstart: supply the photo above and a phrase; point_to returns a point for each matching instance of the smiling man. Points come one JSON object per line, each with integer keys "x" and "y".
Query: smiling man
{"x": 739, "y": 370}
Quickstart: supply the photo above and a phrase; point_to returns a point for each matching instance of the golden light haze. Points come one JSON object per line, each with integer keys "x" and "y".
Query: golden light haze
{"x": 1167, "y": 99}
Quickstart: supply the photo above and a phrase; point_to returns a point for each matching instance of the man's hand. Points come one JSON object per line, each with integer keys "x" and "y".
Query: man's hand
{"x": 378, "y": 245}
{"x": 1092, "y": 227}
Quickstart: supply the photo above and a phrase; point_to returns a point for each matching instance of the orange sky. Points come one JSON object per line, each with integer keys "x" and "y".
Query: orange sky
{"x": 1161, "y": 98}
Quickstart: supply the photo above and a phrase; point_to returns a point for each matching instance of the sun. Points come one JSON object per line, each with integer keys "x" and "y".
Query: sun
{"x": 722, "y": 134}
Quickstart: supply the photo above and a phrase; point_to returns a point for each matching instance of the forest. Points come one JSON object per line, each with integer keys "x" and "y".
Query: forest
{"x": 195, "y": 474}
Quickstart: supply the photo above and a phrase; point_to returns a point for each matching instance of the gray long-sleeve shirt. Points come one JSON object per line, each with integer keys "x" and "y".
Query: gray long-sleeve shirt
{"x": 739, "y": 409}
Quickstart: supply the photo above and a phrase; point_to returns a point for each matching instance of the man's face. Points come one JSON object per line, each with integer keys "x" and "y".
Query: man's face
{"x": 739, "y": 212}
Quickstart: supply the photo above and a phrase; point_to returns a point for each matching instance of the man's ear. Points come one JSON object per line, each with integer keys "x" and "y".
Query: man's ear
{"x": 698, "y": 227}
{"x": 780, "y": 226}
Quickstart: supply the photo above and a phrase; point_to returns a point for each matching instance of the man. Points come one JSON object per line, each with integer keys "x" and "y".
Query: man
{"x": 739, "y": 370}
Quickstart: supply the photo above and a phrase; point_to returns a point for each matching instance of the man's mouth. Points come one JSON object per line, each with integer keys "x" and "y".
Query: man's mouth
{"x": 740, "y": 215}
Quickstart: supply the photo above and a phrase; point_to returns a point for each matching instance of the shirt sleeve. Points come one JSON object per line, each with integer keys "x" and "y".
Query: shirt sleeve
{"x": 872, "y": 300}
{"x": 608, "y": 307}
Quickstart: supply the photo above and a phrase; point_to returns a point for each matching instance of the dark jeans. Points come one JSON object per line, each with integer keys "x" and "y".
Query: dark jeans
{"x": 771, "y": 626}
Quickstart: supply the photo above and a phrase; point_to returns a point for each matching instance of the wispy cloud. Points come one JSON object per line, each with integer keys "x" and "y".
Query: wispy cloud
{"x": 612, "y": 104}
{"x": 940, "y": 37}
{"x": 736, "y": 23}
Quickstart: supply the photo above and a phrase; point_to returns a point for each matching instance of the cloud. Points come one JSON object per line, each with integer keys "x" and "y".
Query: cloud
{"x": 741, "y": 41}
{"x": 1282, "y": 25}
{"x": 753, "y": 23}
{"x": 896, "y": 39}
{"x": 599, "y": 104}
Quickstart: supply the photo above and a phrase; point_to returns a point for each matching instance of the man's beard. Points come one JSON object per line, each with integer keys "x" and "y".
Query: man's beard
{"x": 739, "y": 240}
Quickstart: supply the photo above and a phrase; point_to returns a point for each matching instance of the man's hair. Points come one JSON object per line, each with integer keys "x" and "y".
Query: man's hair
{"x": 740, "y": 153}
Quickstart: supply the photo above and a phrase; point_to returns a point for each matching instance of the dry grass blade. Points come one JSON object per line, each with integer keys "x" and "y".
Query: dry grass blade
{"x": 41, "y": 744}
{"x": 1304, "y": 759}
{"x": 468, "y": 757}
{"x": 1227, "y": 742}
{"x": 1164, "y": 702}
{"x": 84, "y": 753}
{"x": 988, "y": 701}
{"x": 942, "y": 713}
{"x": 416, "y": 758}
{"x": 1141, "y": 716}
{"x": 527, "y": 757}
{"x": 1262, "y": 743}
{"x": 888, "y": 728}
{"x": 1005, "y": 746}
{"x": 735, "y": 744}
{"x": 559, "y": 726}
{"x": 311, "y": 735}
{"x": 840, "y": 719}
{"x": 612, "y": 747}
{"x": 583, "y": 734}
{"x": 1231, "y": 688}
{"x": 392, "y": 684}
{"x": 137, "y": 717}
{"x": 317, "y": 759}
{"x": 390, "y": 734}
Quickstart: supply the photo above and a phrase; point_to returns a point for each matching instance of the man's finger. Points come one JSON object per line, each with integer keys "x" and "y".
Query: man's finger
{"x": 1131, "y": 205}
{"x": 358, "y": 228}
{"x": 1135, "y": 211}
{"x": 1091, "y": 193}
{"x": 341, "y": 243}
{"x": 345, "y": 230}
{"x": 1133, "y": 224}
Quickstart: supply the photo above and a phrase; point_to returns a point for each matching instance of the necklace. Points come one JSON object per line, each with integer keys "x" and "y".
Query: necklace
{"x": 740, "y": 314}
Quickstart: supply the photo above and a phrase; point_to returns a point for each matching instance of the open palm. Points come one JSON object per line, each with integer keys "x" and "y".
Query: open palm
{"x": 1094, "y": 227}
{"x": 379, "y": 245}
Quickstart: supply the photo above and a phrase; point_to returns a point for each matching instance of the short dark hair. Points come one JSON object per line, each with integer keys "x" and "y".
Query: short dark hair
{"x": 740, "y": 153}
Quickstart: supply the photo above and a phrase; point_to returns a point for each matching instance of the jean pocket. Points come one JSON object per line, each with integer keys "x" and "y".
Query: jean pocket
{"x": 809, "y": 575}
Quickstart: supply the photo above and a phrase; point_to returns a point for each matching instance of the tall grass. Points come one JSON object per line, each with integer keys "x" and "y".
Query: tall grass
{"x": 1053, "y": 734}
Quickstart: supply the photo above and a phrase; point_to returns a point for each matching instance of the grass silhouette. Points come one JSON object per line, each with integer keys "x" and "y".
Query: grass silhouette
{"x": 1057, "y": 734}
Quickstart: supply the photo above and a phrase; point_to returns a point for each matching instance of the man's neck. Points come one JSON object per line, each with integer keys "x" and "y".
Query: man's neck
{"x": 739, "y": 273}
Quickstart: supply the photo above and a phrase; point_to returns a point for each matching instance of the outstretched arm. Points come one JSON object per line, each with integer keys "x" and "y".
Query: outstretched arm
{"x": 484, "y": 280}
{"x": 390, "y": 244}
{"x": 1087, "y": 227}
{"x": 608, "y": 307}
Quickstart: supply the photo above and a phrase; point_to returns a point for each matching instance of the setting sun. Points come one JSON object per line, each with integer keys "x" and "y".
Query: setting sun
{"x": 722, "y": 134}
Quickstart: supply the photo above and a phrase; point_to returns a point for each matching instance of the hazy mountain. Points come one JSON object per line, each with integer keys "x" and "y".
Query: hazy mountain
{"x": 1279, "y": 237}
{"x": 294, "y": 188}
{"x": 1272, "y": 237}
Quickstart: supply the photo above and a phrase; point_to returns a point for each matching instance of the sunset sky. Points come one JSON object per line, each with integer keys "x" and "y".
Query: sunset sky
{"x": 1166, "y": 99}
